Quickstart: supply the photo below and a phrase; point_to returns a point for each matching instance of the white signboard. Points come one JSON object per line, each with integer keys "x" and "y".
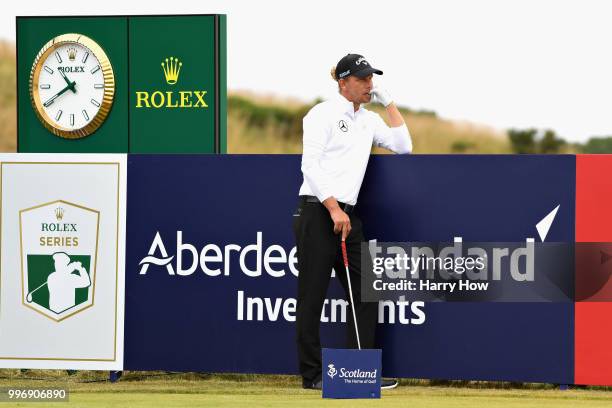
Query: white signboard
{"x": 62, "y": 257}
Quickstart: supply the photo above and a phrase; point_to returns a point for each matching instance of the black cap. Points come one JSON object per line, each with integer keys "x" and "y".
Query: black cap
{"x": 355, "y": 64}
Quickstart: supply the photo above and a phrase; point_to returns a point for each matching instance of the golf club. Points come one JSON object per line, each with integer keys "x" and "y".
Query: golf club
{"x": 348, "y": 277}
{"x": 29, "y": 296}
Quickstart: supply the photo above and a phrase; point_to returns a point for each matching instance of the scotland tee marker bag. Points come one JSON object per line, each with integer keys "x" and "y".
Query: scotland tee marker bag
{"x": 349, "y": 373}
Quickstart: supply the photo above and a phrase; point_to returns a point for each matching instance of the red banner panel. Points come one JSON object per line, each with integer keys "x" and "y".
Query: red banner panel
{"x": 593, "y": 319}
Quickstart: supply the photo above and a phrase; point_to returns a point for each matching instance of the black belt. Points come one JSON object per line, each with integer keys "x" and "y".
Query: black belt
{"x": 347, "y": 208}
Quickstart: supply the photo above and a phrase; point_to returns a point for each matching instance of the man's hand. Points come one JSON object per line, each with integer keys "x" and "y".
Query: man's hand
{"x": 342, "y": 222}
{"x": 382, "y": 96}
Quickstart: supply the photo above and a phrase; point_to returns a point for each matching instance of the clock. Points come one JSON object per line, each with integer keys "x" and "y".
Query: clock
{"x": 72, "y": 86}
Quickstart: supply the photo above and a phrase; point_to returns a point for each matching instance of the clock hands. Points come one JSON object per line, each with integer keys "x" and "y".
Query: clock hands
{"x": 54, "y": 97}
{"x": 70, "y": 84}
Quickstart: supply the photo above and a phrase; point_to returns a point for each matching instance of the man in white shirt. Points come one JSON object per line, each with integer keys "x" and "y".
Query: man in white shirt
{"x": 338, "y": 137}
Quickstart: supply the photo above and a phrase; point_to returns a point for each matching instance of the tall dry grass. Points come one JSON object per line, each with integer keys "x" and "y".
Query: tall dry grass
{"x": 8, "y": 100}
{"x": 430, "y": 134}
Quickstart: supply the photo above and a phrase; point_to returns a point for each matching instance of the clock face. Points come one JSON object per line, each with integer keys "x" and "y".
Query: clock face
{"x": 72, "y": 86}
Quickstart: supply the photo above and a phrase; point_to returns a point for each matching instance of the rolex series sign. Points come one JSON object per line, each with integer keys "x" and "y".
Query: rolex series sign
{"x": 146, "y": 84}
{"x": 62, "y": 252}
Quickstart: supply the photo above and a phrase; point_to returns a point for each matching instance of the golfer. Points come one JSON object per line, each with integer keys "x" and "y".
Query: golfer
{"x": 338, "y": 137}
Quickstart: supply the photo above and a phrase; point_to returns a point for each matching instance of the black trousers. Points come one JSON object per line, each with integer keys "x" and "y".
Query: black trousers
{"x": 318, "y": 250}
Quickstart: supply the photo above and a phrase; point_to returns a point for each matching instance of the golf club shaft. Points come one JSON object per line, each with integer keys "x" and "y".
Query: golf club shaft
{"x": 348, "y": 278}
{"x": 37, "y": 288}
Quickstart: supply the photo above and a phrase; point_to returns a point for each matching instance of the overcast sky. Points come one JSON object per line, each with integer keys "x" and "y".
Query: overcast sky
{"x": 545, "y": 64}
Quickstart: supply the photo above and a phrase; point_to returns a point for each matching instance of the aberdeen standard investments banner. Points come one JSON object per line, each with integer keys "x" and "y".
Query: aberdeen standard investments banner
{"x": 211, "y": 268}
{"x": 62, "y": 260}
{"x": 210, "y": 264}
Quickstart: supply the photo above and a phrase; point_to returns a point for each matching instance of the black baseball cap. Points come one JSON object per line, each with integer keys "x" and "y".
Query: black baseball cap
{"x": 355, "y": 64}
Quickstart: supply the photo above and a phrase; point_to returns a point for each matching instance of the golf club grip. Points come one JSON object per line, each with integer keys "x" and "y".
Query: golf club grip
{"x": 344, "y": 256}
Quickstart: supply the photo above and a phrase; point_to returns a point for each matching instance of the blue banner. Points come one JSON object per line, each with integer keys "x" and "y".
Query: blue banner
{"x": 211, "y": 269}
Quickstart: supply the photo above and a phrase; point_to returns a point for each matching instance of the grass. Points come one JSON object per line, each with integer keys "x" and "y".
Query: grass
{"x": 430, "y": 133}
{"x": 138, "y": 389}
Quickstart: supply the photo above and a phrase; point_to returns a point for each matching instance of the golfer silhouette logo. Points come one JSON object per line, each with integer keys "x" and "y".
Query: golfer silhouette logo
{"x": 62, "y": 283}
{"x": 332, "y": 371}
{"x": 59, "y": 257}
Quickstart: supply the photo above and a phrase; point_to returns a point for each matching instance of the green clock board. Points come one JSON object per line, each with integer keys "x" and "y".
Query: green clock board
{"x": 137, "y": 84}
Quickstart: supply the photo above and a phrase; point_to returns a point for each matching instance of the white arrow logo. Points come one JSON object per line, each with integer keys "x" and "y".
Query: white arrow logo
{"x": 544, "y": 225}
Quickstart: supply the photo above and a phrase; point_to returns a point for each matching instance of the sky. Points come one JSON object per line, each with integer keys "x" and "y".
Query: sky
{"x": 506, "y": 64}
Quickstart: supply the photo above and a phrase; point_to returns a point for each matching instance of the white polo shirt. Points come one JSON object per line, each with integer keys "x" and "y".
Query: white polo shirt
{"x": 337, "y": 145}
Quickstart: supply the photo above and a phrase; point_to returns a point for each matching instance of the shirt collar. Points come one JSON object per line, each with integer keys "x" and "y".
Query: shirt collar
{"x": 346, "y": 105}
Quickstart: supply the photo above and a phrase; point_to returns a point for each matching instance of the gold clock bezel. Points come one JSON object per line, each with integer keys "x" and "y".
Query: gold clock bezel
{"x": 109, "y": 86}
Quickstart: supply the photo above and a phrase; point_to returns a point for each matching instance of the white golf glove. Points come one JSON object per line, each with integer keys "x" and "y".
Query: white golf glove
{"x": 381, "y": 96}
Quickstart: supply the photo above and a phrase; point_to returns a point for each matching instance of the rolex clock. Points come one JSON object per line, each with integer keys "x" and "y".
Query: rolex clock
{"x": 72, "y": 86}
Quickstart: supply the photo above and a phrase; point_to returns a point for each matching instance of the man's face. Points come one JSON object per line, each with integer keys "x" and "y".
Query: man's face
{"x": 357, "y": 90}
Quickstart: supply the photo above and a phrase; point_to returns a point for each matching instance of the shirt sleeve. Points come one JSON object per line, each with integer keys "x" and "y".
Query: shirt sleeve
{"x": 396, "y": 139}
{"x": 316, "y": 136}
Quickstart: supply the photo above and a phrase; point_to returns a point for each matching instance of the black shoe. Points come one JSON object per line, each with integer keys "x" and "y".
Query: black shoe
{"x": 316, "y": 385}
{"x": 388, "y": 384}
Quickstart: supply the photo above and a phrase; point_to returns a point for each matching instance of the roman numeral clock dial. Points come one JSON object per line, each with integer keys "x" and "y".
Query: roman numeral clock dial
{"x": 72, "y": 86}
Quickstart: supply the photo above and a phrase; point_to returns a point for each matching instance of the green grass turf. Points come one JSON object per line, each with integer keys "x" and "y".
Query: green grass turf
{"x": 137, "y": 389}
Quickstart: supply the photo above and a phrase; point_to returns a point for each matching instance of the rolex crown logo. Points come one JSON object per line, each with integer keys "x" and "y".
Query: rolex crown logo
{"x": 172, "y": 68}
{"x": 72, "y": 52}
{"x": 175, "y": 98}
{"x": 59, "y": 213}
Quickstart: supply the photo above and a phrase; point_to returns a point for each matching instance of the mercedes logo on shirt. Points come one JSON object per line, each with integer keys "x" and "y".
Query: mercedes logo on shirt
{"x": 343, "y": 126}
